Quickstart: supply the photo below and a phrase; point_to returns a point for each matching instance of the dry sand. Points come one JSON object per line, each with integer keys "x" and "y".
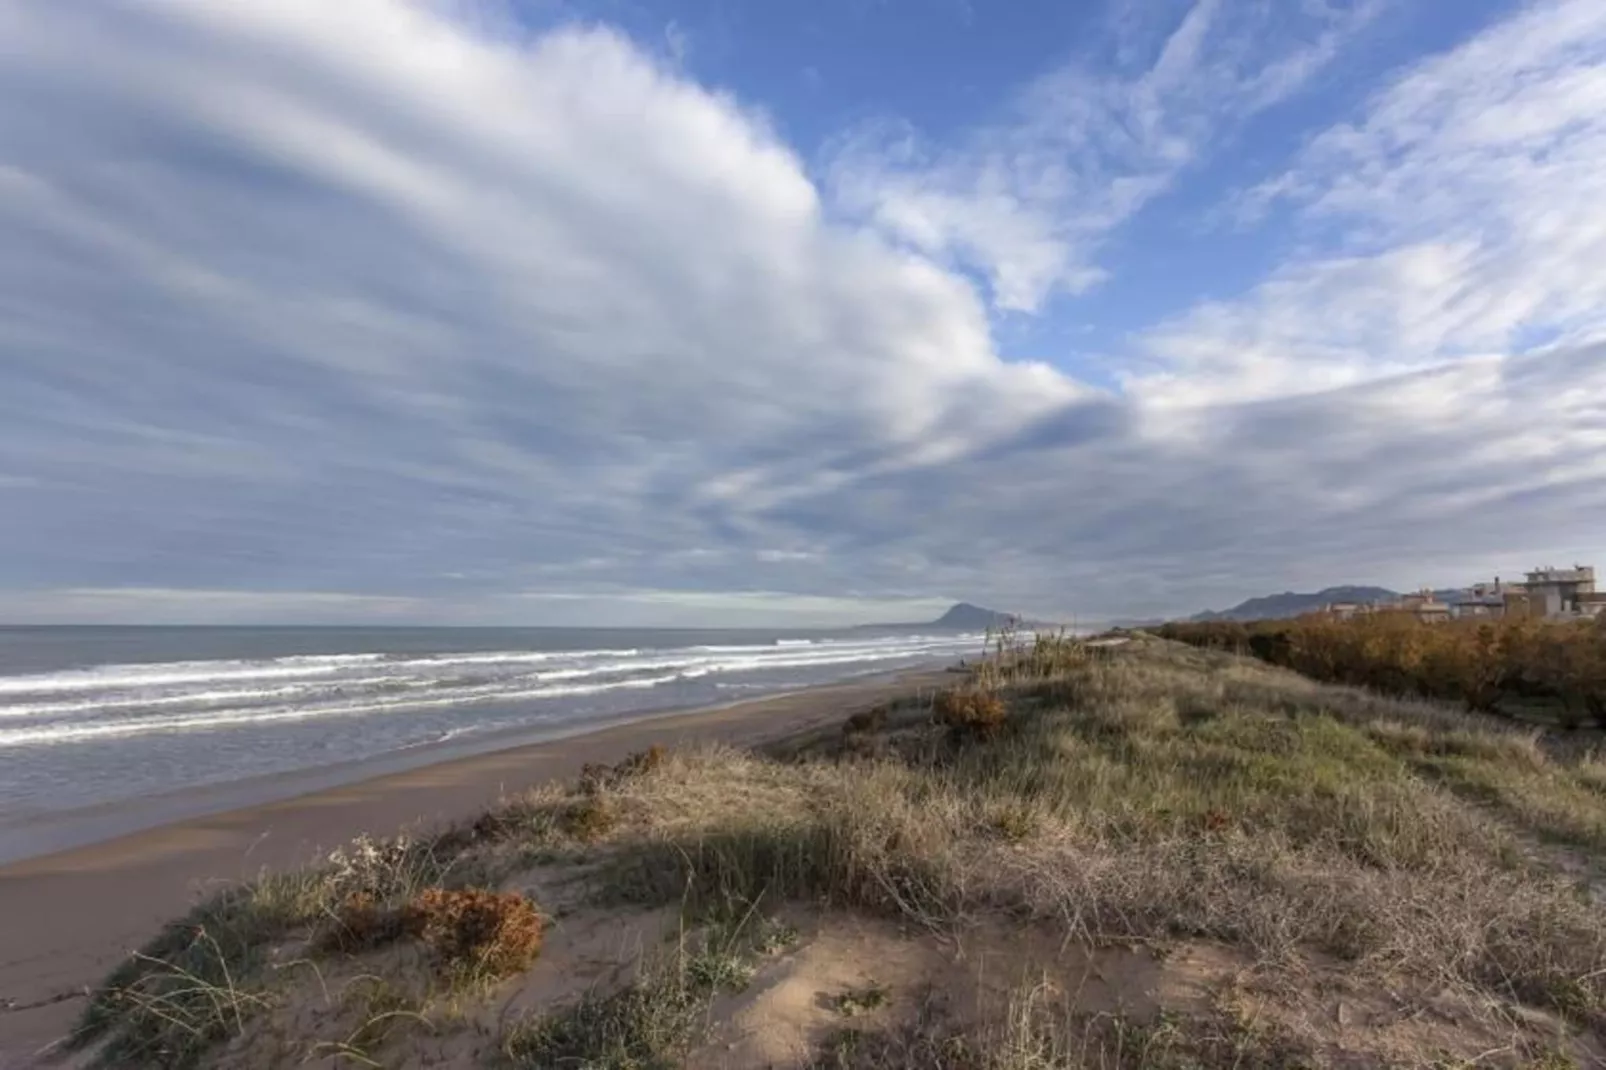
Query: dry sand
{"x": 67, "y": 918}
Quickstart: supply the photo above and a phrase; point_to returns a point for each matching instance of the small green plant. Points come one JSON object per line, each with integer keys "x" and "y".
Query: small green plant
{"x": 168, "y": 1011}
{"x": 774, "y": 937}
{"x": 1015, "y": 822}
{"x": 647, "y": 1025}
{"x": 644, "y": 1026}
{"x": 719, "y": 970}
{"x": 859, "y": 1001}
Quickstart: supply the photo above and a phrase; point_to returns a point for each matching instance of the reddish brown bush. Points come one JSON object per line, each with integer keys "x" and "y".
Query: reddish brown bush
{"x": 485, "y": 933}
{"x": 971, "y": 713}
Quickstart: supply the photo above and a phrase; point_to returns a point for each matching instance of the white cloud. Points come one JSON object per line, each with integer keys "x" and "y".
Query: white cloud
{"x": 1029, "y": 201}
{"x": 1466, "y": 200}
{"x": 356, "y": 311}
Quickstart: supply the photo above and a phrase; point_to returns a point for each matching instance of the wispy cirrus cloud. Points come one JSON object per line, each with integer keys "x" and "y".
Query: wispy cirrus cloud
{"x": 1456, "y": 216}
{"x": 1029, "y": 201}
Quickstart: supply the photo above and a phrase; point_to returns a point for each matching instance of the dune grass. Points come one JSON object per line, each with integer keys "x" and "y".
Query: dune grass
{"x": 1148, "y": 794}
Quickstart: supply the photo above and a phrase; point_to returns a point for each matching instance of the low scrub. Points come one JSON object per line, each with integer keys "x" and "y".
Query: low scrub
{"x": 971, "y": 713}
{"x": 595, "y": 777}
{"x": 866, "y": 721}
{"x": 473, "y": 932}
{"x": 361, "y": 922}
{"x": 1551, "y": 671}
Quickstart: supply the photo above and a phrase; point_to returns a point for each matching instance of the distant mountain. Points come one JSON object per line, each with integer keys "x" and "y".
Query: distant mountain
{"x": 965, "y": 617}
{"x": 1291, "y": 604}
{"x": 962, "y": 617}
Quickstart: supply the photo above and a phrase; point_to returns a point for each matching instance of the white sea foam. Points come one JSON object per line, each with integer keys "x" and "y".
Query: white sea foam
{"x": 270, "y": 715}
{"x": 119, "y": 701}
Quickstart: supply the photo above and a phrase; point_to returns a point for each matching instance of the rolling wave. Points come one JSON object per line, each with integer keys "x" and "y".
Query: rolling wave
{"x": 118, "y": 701}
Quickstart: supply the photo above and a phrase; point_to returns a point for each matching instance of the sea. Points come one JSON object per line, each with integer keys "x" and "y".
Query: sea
{"x": 103, "y": 729}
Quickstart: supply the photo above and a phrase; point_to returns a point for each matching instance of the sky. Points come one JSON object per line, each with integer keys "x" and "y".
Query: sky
{"x": 805, "y": 313}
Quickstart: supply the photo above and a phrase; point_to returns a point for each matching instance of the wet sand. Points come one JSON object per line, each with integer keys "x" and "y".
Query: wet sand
{"x": 67, "y": 918}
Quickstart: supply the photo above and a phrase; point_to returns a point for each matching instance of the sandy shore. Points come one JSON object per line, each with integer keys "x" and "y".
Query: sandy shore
{"x": 67, "y": 918}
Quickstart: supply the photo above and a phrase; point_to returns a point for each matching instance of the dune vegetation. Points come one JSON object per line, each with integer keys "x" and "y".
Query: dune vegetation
{"x": 1078, "y": 855}
{"x": 1544, "y": 671}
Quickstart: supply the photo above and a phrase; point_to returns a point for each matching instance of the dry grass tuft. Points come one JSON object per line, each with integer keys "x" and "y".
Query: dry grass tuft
{"x": 872, "y": 720}
{"x": 970, "y": 713}
{"x": 485, "y": 935}
{"x": 595, "y": 777}
{"x": 590, "y": 819}
{"x": 360, "y": 923}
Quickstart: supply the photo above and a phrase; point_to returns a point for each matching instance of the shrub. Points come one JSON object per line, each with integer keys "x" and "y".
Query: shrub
{"x": 484, "y": 933}
{"x": 590, "y": 819}
{"x": 376, "y": 867}
{"x": 359, "y": 923}
{"x": 971, "y": 713}
{"x": 1498, "y": 666}
{"x": 872, "y": 720}
{"x": 595, "y": 777}
{"x": 641, "y": 762}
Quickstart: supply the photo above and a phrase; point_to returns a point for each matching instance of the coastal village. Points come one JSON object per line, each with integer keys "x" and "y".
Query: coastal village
{"x": 1544, "y": 594}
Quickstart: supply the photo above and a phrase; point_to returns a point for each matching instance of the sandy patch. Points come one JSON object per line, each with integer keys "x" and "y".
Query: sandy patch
{"x": 865, "y": 974}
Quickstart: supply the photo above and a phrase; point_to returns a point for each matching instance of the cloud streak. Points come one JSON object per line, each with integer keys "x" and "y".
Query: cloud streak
{"x": 1029, "y": 201}
{"x": 1463, "y": 206}
{"x": 366, "y": 312}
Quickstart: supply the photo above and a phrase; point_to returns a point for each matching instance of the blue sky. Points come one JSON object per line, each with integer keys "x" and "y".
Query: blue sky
{"x": 503, "y": 311}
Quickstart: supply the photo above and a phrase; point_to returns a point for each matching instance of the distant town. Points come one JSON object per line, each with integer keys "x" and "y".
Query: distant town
{"x": 1545, "y": 593}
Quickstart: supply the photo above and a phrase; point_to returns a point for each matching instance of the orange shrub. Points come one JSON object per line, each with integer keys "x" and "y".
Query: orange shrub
{"x": 487, "y": 933}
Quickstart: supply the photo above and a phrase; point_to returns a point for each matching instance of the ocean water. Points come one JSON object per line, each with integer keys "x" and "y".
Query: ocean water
{"x": 98, "y": 716}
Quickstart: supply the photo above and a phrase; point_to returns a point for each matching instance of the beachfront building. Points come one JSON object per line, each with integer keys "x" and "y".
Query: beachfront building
{"x": 1427, "y": 606}
{"x": 1490, "y": 601}
{"x": 1424, "y": 605}
{"x": 1559, "y": 592}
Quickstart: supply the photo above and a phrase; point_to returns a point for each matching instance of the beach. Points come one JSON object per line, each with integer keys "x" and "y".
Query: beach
{"x": 105, "y": 731}
{"x": 72, "y": 915}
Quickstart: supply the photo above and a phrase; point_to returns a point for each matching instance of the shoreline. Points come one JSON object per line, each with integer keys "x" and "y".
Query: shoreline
{"x": 86, "y": 907}
{"x": 40, "y": 835}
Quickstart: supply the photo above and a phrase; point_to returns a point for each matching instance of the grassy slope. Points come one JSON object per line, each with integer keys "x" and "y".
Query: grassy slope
{"x": 1335, "y": 844}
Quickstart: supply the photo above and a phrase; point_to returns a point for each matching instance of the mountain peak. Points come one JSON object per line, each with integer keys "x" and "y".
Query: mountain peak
{"x": 968, "y": 617}
{"x": 1293, "y": 604}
